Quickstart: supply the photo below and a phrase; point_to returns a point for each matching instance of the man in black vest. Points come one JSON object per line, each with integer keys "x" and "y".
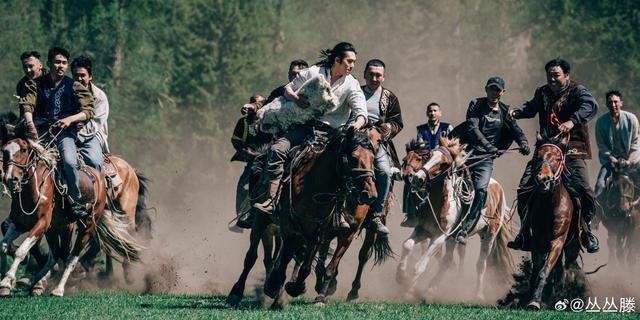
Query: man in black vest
{"x": 490, "y": 130}
{"x": 430, "y": 133}
{"x": 563, "y": 106}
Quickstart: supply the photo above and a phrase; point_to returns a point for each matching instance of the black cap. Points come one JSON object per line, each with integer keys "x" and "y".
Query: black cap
{"x": 496, "y": 82}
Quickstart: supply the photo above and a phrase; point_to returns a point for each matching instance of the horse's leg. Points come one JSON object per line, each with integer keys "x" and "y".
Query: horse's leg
{"x": 39, "y": 281}
{"x": 10, "y": 235}
{"x": 363, "y": 256}
{"x": 258, "y": 229}
{"x": 82, "y": 240}
{"x": 267, "y": 245}
{"x": 547, "y": 266}
{"x": 462, "y": 250}
{"x": 486, "y": 246}
{"x": 297, "y": 287}
{"x": 445, "y": 264}
{"x": 320, "y": 271}
{"x": 407, "y": 247}
{"x": 421, "y": 266}
{"x": 332, "y": 269}
{"x": 9, "y": 279}
{"x": 278, "y": 274}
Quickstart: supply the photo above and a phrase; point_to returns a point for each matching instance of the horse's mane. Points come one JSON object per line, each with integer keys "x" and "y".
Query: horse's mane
{"x": 457, "y": 150}
{"x": 13, "y": 128}
{"x": 9, "y": 117}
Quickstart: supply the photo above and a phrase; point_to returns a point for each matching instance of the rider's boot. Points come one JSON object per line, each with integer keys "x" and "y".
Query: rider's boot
{"x": 377, "y": 225}
{"x": 589, "y": 240}
{"x": 472, "y": 217}
{"x": 523, "y": 240}
{"x": 268, "y": 205}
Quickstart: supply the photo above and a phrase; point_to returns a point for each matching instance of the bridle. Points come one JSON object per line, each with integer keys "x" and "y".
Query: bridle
{"x": 557, "y": 171}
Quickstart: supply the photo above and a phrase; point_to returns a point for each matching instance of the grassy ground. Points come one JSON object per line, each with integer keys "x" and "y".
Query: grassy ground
{"x": 107, "y": 305}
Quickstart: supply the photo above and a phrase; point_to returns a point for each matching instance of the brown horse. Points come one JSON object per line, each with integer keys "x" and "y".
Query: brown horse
{"x": 439, "y": 184}
{"x": 340, "y": 177}
{"x": 39, "y": 208}
{"x": 555, "y": 227}
{"x": 126, "y": 192}
{"x": 621, "y": 217}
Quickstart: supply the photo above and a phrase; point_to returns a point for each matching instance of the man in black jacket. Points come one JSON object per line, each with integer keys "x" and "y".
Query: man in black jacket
{"x": 562, "y": 106}
{"x": 489, "y": 129}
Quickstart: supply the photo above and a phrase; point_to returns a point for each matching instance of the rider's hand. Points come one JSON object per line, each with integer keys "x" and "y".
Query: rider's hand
{"x": 524, "y": 149}
{"x": 613, "y": 160}
{"x": 32, "y": 131}
{"x": 624, "y": 164}
{"x": 63, "y": 123}
{"x": 566, "y": 126}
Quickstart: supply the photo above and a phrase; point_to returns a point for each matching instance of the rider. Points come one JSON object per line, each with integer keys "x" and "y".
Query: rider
{"x": 489, "y": 131}
{"x": 336, "y": 66}
{"x": 618, "y": 138}
{"x": 59, "y": 101}
{"x": 246, "y": 140}
{"x": 384, "y": 113}
{"x": 563, "y": 106}
{"x": 294, "y": 68}
{"x": 430, "y": 133}
{"x": 92, "y": 136}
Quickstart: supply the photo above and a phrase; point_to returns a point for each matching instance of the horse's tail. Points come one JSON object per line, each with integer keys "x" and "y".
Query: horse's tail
{"x": 114, "y": 238}
{"x": 500, "y": 256}
{"x": 144, "y": 223}
{"x": 381, "y": 249}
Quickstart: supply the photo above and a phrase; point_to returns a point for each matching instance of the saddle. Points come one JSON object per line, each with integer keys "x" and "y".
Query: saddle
{"x": 113, "y": 179}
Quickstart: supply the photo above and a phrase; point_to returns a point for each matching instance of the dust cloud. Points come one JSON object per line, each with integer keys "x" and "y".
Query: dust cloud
{"x": 427, "y": 60}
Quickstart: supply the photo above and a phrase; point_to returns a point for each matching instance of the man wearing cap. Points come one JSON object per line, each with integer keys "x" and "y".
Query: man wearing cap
{"x": 489, "y": 131}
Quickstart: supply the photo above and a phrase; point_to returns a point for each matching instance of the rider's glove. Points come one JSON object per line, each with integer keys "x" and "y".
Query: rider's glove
{"x": 524, "y": 149}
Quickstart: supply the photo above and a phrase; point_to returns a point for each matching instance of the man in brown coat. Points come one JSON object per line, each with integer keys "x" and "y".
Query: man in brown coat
{"x": 383, "y": 111}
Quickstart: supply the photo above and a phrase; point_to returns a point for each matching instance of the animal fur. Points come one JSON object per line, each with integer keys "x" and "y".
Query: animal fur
{"x": 280, "y": 114}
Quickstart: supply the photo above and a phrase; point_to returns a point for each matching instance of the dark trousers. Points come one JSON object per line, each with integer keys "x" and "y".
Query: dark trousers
{"x": 481, "y": 176}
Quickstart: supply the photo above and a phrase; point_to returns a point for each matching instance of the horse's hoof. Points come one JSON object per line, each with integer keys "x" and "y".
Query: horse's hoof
{"x": 233, "y": 300}
{"x": 24, "y": 282}
{"x": 320, "y": 301}
{"x": 57, "y": 293}
{"x": 333, "y": 284}
{"x": 270, "y": 293}
{"x": 294, "y": 289}
{"x": 353, "y": 295}
{"x": 534, "y": 305}
{"x": 5, "y": 292}
{"x": 36, "y": 292}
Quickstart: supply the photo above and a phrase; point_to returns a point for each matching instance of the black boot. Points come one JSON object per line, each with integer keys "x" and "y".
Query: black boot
{"x": 246, "y": 222}
{"x": 589, "y": 241}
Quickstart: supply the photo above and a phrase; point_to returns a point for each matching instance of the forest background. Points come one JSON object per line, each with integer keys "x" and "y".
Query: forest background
{"x": 177, "y": 72}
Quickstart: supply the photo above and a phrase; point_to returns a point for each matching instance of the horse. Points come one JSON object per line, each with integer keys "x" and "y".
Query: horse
{"x": 621, "y": 216}
{"x": 321, "y": 185}
{"x": 39, "y": 207}
{"x": 438, "y": 179}
{"x": 126, "y": 193}
{"x": 265, "y": 230}
{"x": 555, "y": 229}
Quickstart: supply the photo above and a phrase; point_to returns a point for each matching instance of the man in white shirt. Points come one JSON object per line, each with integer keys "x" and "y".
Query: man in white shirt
{"x": 336, "y": 67}
{"x": 92, "y": 137}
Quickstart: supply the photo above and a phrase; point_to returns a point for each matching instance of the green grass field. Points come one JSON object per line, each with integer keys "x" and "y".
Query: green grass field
{"x": 109, "y": 305}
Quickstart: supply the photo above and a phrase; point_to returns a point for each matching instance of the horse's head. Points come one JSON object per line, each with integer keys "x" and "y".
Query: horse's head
{"x": 19, "y": 154}
{"x": 416, "y": 158}
{"x": 621, "y": 192}
{"x": 549, "y": 160}
{"x": 359, "y": 149}
{"x": 442, "y": 161}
